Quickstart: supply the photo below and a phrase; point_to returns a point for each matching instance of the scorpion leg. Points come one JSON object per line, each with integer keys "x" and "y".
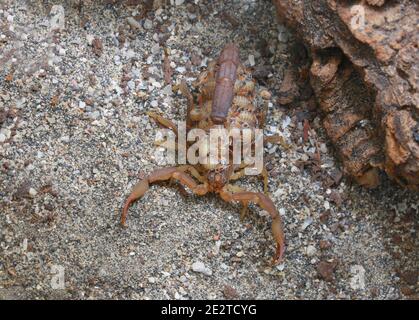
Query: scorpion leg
{"x": 241, "y": 173}
{"x": 262, "y": 115}
{"x": 245, "y": 204}
{"x": 163, "y": 121}
{"x": 194, "y": 112}
{"x": 161, "y": 175}
{"x": 276, "y": 139}
{"x": 265, "y": 203}
{"x": 183, "y": 88}
{"x": 192, "y": 171}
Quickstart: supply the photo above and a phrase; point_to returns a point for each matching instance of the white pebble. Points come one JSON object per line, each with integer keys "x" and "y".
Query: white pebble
{"x": 6, "y": 133}
{"x": 131, "y": 84}
{"x": 304, "y": 157}
{"x": 90, "y": 39}
{"x": 306, "y": 223}
{"x": 240, "y": 254}
{"x": 155, "y": 49}
{"x": 327, "y": 205}
{"x": 294, "y": 169}
{"x": 251, "y": 60}
{"x": 201, "y": 268}
{"x": 32, "y": 192}
{"x": 282, "y": 37}
{"x": 57, "y": 19}
{"x": 94, "y": 114}
{"x": 281, "y": 267}
{"x": 25, "y": 244}
{"x": 286, "y": 122}
{"x": 134, "y": 24}
{"x": 148, "y": 24}
{"x": 167, "y": 90}
{"x": 310, "y": 250}
{"x": 181, "y": 69}
{"x": 357, "y": 281}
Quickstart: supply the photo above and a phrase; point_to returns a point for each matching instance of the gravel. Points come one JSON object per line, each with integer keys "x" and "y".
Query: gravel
{"x": 75, "y": 138}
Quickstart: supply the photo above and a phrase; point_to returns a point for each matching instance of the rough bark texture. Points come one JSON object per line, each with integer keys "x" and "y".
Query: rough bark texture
{"x": 365, "y": 76}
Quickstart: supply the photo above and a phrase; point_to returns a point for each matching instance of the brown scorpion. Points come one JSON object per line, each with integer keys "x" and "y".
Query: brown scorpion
{"x": 225, "y": 97}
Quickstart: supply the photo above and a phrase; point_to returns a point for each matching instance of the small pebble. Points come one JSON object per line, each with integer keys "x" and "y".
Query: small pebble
{"x": 148, "y": 24}
{"x": 306, "y": 223}
{"x": 94, "y": 115}
{"x": 310, "y": 250}
{"x": 240, "y": 254}
{"x": 181, "y": 69}
{"x": 327, "y": 205}
{"x": 251, "y": 60}
{"x": 265, "y": 94}
{"x": 201, "y": 268}
{"x": 57, "y": 18}
{"x": 283, "y": 37}
{"x": 134, "y": 24}
{"x": 32, "y": 192}
{"x": 357, "y": 282}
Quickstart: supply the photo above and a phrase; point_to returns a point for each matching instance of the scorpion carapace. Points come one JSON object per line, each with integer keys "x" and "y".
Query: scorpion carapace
{"x": 243, "y": 112}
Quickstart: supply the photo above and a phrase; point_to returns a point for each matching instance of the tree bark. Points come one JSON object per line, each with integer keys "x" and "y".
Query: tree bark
{"x": 364, "y": 74}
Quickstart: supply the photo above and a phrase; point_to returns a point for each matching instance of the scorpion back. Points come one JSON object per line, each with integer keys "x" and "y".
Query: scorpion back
{"x": 225, "y": 79}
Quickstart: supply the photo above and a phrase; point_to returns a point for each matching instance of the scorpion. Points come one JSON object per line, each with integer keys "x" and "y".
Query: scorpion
{"x": 224, "y": 97}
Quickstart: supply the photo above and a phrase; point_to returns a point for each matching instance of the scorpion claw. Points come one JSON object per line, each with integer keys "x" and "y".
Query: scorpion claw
{"x": 279, "y": 254}
{"x": 278, "y": 234}
{"x": 138, "y": 191}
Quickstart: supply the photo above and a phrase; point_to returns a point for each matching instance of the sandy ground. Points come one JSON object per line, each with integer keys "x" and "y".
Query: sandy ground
{"x": 75, "y": 138}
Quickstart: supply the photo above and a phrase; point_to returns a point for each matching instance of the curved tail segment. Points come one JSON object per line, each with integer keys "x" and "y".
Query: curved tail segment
{"x": 225, "y": 79}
